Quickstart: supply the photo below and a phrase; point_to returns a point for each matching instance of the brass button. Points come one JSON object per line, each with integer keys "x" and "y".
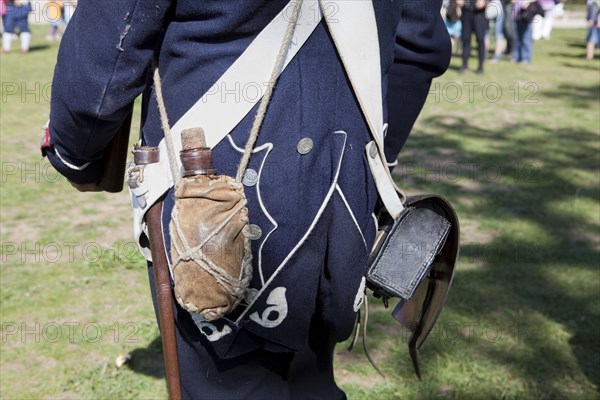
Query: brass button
{"x": 305, "y": 146}
{"x": 255, "y": 232}
{"x": 250, "y": 177}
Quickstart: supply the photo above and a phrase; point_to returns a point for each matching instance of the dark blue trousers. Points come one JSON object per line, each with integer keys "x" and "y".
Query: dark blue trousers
{"x": 262, "y": 374}
{"x": 16, "y": 18}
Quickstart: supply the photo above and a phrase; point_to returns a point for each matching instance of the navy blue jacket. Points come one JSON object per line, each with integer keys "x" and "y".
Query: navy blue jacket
{"x": 314, "y": 209}
{"x": 422, "y": 53}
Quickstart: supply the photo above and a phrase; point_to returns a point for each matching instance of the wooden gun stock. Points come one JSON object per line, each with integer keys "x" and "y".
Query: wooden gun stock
{"x": 115, "y": 159}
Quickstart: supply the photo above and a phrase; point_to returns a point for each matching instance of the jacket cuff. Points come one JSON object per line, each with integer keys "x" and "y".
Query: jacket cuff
{"x": 77, "y": 171}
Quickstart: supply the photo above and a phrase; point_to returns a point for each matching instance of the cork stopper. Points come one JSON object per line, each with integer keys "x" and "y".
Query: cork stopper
{"x": 195, "y": 157}
{"x": 193, "y": 138}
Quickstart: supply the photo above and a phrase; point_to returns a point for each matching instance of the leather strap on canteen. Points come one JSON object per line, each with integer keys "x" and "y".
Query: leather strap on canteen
{"x": 143, "y": 155}
{"x": 164, "y": 298}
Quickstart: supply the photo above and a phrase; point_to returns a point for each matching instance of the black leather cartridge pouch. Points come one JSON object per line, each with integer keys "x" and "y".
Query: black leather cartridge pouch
{"x": 405, "y": 250}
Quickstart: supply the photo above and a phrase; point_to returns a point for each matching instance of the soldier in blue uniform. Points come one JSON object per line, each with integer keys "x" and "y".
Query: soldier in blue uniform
{"x": 310, "y": 190}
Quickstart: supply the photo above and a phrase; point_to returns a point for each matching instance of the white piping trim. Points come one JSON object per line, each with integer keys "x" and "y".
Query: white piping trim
{"x": 339, "y": 190}
{"x": 269, "y": 147}
{"x": 308, "y": 232}
{"x": 68, "y": 164}
{"x": 376, "y": 222}
{"x": 241, "y": 150}
{"x": 264, "y": 209}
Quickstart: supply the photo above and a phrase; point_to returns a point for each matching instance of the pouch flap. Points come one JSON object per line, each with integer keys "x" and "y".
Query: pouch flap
{"x": 404, "y": 255}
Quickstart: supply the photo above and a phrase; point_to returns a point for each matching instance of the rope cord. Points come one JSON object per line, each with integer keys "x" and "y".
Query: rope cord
{"x": 264, "y": 103}
{"x": 166, "y": 127}
{"x": 232, "y": 285}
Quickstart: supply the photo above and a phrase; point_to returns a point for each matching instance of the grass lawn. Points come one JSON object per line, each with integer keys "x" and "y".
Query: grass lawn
{"x": 517, "y": 152}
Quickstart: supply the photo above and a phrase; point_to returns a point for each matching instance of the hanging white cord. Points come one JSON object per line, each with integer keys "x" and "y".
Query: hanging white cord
{"x": 260, "y": 114}
{"x": 164, "y": 121}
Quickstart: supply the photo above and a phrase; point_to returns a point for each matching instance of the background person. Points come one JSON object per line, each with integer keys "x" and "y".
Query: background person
{"x": 542, "y": 24}
{"x": 17, "y": 14}
{"x": 495, "y": 9}
{"x": 2, "y": 14}
{"x": 510, "y": 29}
{"x": 523, "y": 43}
{"x": 54, "y": 16}
{"x": 69, "y": 7}
{"x": 454, "y": 26}
{"x": 473, "y": 21}
{"x": 593, "y": 35}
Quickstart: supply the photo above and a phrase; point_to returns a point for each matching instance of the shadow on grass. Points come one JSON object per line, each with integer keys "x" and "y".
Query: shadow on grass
{"x": 579, "y": 96}
{"x": 148, "y": 361}
{"x": 39, "y": 47}
{"x": 591, "y": 65}
{"x": 538, "y": 269}
{"x": 580, "y": 55}
{"x": 578, "y": 44}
